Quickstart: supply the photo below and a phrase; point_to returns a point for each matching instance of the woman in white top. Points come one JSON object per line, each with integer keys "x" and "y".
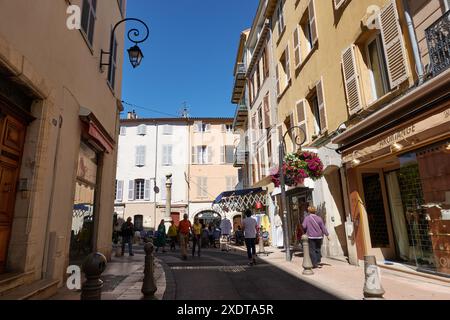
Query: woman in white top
{"x": 249, "y": 226}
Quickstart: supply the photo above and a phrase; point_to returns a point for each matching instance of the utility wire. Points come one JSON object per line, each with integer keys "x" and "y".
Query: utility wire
{"x": 149, "y": 109}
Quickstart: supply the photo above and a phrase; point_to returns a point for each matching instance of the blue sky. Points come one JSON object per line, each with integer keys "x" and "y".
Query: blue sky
{"x": 189, "y": 56}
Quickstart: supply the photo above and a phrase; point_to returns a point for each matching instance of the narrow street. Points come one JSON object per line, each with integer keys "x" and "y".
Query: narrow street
{"x": 220, "y": 275}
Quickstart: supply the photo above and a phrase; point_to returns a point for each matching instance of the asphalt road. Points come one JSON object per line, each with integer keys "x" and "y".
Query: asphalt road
{"x": 220, "y": 275}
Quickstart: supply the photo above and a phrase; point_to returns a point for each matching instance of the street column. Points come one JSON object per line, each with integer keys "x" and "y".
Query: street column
{"x": 168, "y": 217}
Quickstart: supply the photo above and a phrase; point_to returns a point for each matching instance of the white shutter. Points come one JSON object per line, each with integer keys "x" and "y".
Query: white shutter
{"x": 147, "y": 190}
{"x": 297, "y": 50}
{"x": 140, "y": 156}
{"x": 169, "y": 155}
{"x": 195, "y": 126}
{"x": 288, "y": 64}
{"x": 142, "y": 130}
{"x": 322, "y": 106}
{"x": 338, "y": 4}
{"x": 313, "y": 22}
{"x": 208, "y": 128}
{"x": 301, "y": 116}
{"x": 209, "y": 152}
{"x": 119, "y": 193}
{"x": 131, "y": 190}
{"x": 224, "y": 128}
{"x": 351, "y": 80}
{"x": 194, "y": 155}
{"x": 123, "y": 131}
{"x": 143, "y": 155}
{"x": 222, "y": 154}
{"x": 394, "y": 48}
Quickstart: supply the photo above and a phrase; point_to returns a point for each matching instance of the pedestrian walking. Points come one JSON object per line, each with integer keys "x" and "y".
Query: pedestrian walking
{"x": 127, "y": 236}
{"x": 172, "y": 234}
{"x": 161, "y": 238}
{"x": 249, "y": 226}
{"x": 211, "y": 235}
{"x": 225, "y": 227}
{"x": 197, "y": 236}
{"x": 184, "y": 229}
{"x": 315, "y": 229}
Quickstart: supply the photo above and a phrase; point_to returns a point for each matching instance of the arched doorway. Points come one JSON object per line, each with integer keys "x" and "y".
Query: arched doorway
{"x": 208, "y": 217}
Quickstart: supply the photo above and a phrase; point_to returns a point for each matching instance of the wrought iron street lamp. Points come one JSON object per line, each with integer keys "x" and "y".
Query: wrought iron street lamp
{"x": 299, "y": 138}
{"x": 135, "y": 53}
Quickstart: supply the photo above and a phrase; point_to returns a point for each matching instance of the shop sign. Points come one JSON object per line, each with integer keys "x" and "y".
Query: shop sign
{"x": 405, "y": 133}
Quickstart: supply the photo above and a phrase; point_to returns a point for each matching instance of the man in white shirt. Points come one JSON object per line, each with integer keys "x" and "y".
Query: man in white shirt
{"x": 249, "y": 226}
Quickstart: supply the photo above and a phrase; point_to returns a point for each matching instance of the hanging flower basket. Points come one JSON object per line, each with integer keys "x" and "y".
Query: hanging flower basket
{"x": 297, "y": 167}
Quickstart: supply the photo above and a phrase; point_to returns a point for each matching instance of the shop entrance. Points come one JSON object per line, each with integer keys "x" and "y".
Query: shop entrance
{"x": 12, "y": 136}
{"x": 207, "y": 218}
{"x": 299, "y": 201}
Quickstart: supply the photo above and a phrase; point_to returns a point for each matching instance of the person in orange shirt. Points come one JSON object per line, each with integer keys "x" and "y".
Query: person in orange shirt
{"x": 197, "y": 236}
{"x": 183, "y": 229}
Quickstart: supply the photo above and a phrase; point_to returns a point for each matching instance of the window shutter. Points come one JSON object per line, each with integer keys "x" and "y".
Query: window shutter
{"x": 147, "y": 190}
{"x": 209, "y": 152}
{"x": 312, "y": 21}
{"x": 194, "y": 155}
{"x": 163, "y": 189}
{"x": 140, "y": 156}
{"x": 297, "y": 52}
{"x": 119, "y": 194}
{"x": 266, "y": 112}
{"x": 288, "y": 64}
{"x": 169, "y": 155}
{"x": 277, "y": 71}
{"x": 351, "y": 80}
{"x": 123, "y": 131}
{"x": 338, "y": 4}
{"x": 195, "y": 126}
{"x": 322, "y": 107}
{"x": 131, "y": 190}
{"x": 222, "y": 154}
{"x": 301, "y": 116}
{"x": 394, "y": 48}
{"x": 224, "y": 128}
{"x": 208, "y": 128}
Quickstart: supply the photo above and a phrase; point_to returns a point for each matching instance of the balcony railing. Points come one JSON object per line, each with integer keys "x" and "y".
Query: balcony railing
{"x": 438, "y": 39}
{"x": 239, "y": 83}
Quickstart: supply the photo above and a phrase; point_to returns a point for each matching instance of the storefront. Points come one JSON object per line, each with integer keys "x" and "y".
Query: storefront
{"x": 399, "y": 189}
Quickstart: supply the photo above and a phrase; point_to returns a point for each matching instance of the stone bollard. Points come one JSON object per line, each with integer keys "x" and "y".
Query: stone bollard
{"x": 93, "y": 267}
{"x": 149, "y": 286}
{"x": 372, "y": 285}
{"x": 307, "y": 264}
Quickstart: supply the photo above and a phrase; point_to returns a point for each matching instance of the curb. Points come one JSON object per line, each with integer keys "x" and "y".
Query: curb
{"x": 171, "y": 286}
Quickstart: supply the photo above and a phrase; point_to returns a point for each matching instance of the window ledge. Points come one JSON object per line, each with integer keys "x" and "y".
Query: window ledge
{"x": 281, "y": 35}
{"x": 280, "y": 96}
{"x": 299, "y": 68}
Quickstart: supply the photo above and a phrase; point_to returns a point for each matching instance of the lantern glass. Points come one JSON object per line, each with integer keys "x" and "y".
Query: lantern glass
{"x": 135, "y": 55}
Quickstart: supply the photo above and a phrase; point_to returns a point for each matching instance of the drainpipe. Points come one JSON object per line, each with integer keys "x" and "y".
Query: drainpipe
{"x": 446, "y": 5}
{"x": 414, "y": 42}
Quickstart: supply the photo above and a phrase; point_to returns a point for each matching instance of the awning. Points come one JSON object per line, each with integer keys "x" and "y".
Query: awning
{"x": 95, "y": 132}
{"x": 240, "y": 200}
{"x": 309, "y": 183}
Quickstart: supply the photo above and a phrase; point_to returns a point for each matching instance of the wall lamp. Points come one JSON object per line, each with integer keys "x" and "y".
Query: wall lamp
{"x": 134, "y": 53}
{"x": 355, "y": 161}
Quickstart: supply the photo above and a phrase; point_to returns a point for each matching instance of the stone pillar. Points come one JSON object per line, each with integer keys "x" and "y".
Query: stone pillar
{"x": 372, "y": 284}
{"x": 307, "y": 264}
{"x": 148, "y": 286}
{"x": 168, "y": 217}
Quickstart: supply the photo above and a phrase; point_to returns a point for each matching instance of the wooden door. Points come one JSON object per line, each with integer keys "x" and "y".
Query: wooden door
{"x": 12, "y": 134}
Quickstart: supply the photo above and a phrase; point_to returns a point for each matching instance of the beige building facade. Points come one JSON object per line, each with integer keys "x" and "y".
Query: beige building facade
{"x": 59, "y": 119}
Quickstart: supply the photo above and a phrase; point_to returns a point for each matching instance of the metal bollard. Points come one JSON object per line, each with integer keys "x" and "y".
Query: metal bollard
{"x": 93, "y": 267}
{"x": 148, "y": 286}
{"x": 372, "y": 284}
{"x": 307, "y": 264}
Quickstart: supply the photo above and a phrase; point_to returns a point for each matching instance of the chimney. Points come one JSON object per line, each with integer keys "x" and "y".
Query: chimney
{"x": 130, "y": 115}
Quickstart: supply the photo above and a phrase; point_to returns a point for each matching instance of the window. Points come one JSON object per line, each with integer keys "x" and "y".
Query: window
{"x": 301, "y": 116}
{"x": 265, "y": 60}
{"x": 88, "y": 19}
{"x": 263, "y": 162}
{"x": 123, "y": 131}
{"x": 229, "y": 128}
{"x": 266, "y": 112}
{"x": 269, "y": 148}
{"x": 283, "y": 73}
{"x": 260, "y": 120}
{"x": 377, "y": 68}
{"x": 202, "y": 187}
{"x": 113, "y": 66}
{"x": 119, "y": 191}
{"x": 280, "y": 15}
{"x": 167, "y": 155}
{"x": 316, "y": 114}
{"x": 139, "y": 189}
{"x": 229, "y": 154}
{"x": 202, "y": 127}
{"x": 201, "y": 155}
{"x": 167, "y": 130}
{"x": 142, "y": 130}
{"x": 140, "y": 156}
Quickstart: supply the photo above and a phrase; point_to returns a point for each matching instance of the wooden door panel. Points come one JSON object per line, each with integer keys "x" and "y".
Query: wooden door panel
{"x": 13, "y": 136}
{"x": 8, "y": 178}
{"x": 4, "y": 240}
